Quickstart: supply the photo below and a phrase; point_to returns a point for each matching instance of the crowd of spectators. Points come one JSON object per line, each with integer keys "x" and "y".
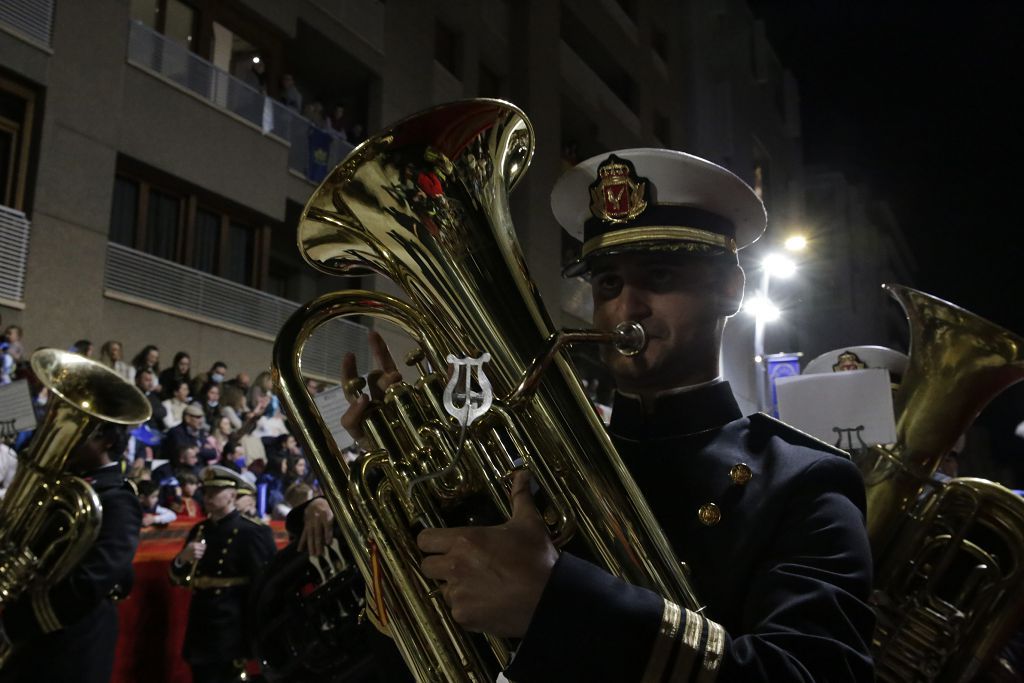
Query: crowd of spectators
{"x": 198, "y": 419}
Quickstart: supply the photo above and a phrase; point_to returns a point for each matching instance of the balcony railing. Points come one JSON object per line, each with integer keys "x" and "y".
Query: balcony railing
{"x": 140, "y": 278}
{"x": 313, "y": 150}
{"x": 14, "y": 229}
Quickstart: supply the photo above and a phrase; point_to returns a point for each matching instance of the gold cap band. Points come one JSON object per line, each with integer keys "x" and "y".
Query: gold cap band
{"x": 650, "y": 233}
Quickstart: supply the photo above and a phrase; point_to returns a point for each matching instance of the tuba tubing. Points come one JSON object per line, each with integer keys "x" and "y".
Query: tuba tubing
{"x": 425, "y": 203}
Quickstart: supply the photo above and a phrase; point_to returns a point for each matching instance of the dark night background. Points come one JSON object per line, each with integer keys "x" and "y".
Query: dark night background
{"x": 919, "y": 101}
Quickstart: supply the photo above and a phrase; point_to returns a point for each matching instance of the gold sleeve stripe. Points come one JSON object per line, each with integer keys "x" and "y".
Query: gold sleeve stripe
{"x": 663, "y": 643}
{"x": 689, "y": 648}
{"x": 43, "y": 611}
{"x": 712, "y": 653}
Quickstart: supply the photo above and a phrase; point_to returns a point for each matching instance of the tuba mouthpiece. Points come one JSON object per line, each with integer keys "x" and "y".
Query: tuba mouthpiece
{"x": 630, "y": 338}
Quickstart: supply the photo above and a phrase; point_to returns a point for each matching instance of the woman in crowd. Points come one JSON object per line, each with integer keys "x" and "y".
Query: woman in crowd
{"x": 147, "y": 359}
{"x": 112, "y": 355}
{"x": 233, "y": 405}
{"x": 180, "y": 370}
{"x": 175, "y": 405}
{"x": 220, "y": 435}
{"x": 209, "y": 399}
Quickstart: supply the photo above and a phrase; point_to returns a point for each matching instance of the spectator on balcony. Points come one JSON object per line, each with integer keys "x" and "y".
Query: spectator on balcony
{"x": 256, "y": 74}
{"x": 146, "y": 382}
{"x": 335, "y": 123}
{"x": 148, "y": 359}
{"x": 185, "y": 458}
{"x": 263, "y": 386}
{"x": 216, "y": 375}
{"x": 83, "y": 347}
{"x": 180, "y": 370}
{"x": 241, "y": 381}
{"x": 314, "y": 111}
{"x": 290, "y": 95}
{"x": 112, "y": 355}
{"x": 176, "y": 404}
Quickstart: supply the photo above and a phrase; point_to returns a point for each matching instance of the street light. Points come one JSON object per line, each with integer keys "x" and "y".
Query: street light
{"x": 795, "y": 243}
{"x": 764, "y": 311}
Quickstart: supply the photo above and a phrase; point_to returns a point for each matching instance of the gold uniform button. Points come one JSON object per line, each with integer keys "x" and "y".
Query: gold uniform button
{"x": 709, "y": 514}
{"x": 740, "y": 474}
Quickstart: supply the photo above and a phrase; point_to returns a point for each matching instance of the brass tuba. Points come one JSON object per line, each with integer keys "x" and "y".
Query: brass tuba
{"x": 48, "y": 518}
{"x": 426, "y": 204}
{"x": 949, "y": 556}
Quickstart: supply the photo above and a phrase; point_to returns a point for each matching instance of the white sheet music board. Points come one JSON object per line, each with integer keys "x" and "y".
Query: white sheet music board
{"x": 16, "y": 413}
{"x": 332, "y": 405}
{"x": 818, "y": 404}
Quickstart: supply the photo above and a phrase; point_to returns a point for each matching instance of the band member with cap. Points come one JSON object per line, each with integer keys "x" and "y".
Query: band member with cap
{"x": 222, "y": 556}
{"x": 69, "y": 632}
{"x": 769, "y": 521}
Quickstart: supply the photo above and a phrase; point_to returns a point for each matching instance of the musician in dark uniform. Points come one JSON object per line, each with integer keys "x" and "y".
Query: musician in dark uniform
{"x": 69, "y": 632}
{"x": 769, "y": 521}
{"x": 221, "y": 558}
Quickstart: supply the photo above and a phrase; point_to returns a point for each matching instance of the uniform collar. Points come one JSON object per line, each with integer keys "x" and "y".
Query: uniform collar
{"x": 687, "y": 410}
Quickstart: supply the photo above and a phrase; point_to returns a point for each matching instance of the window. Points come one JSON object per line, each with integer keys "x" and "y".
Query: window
{"x": 173, "y": 220}
{"x": 17, "y": 114}
{"x": 125, "y": 212}
{"x": 206, "y": 241}
{"x": 241, "y": 248}
{"x": 163, "y": 225}
{"x": 173, "y": 18}
{"x": 448, "y": 49}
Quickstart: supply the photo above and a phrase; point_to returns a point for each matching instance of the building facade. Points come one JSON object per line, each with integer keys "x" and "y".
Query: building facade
{"x": 163, "y": 149}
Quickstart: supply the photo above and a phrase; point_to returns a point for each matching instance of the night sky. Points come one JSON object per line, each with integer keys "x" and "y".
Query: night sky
{"x": 919, "y": 100}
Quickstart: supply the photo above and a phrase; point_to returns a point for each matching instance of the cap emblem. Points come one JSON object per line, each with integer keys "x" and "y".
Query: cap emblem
{"x": 848, "y": 360}
{"x": 617, "y": 196}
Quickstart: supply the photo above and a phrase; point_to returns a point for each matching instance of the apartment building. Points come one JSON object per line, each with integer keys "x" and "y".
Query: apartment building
{"x": 157, "y": 153}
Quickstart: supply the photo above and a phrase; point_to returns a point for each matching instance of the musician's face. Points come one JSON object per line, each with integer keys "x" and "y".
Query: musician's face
{"x": 218, "y": 501}
{"x": 680, "y": 301}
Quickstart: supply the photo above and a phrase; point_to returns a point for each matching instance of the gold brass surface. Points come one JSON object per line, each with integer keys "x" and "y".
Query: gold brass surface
{"x": 426, "y": 204}
{"x": 48, "y": 518}
{"x": 949, "y": 556}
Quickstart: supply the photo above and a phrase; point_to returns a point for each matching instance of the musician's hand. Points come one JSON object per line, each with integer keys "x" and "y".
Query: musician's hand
{"x": 192, "y": 551}
{"x": 493, "y": 577}
{"x": 317, "y": 527}
{"x": 378, "y": 380}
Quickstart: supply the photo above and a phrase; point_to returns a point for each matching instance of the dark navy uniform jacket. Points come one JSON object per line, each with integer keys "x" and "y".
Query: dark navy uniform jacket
{"x": 784, "y": 573}
{"x": 237, "y": 550}
{"x": 69, "y": 633}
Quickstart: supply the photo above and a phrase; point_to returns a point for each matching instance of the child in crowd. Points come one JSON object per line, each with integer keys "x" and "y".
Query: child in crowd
{"x": 152, "y": 512}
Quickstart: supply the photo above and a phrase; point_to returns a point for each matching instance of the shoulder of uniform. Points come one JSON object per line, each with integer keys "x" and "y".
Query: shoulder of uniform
{"x": 253, "y": 520}
{"x": 765, "y": 426}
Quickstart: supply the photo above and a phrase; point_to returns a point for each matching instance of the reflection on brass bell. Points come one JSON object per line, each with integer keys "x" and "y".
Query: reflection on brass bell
{"x": 740, "y": 474}
{"x": 709, "y": 514}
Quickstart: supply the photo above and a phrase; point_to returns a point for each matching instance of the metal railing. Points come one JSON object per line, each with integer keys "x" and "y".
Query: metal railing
{"x": 171, "y": 287}
{"x": 14, "y": 234}
{"x": 314, "y": 151}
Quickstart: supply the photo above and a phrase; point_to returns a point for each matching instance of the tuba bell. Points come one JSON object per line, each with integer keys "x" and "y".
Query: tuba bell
{"x": 949, "y": 556}
{"x": 425, "y": 203}
{"x": 48, "y": 518}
